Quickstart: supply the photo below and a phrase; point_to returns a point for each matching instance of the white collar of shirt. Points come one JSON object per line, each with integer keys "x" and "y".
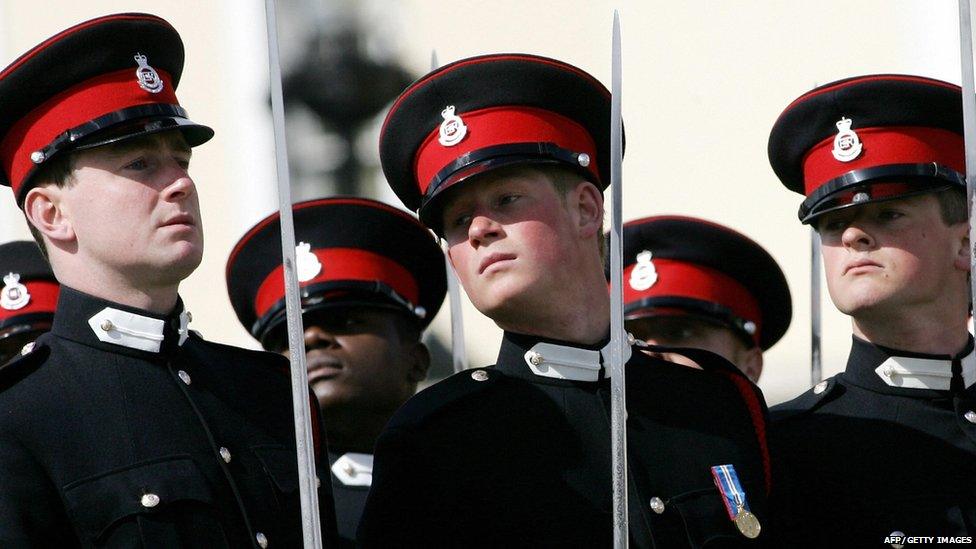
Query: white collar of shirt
{"x": 924, "y": 373}
{"x": 354, "y": 469}
{"x": 572, "y": 363}
{"x": 134, "y": 330}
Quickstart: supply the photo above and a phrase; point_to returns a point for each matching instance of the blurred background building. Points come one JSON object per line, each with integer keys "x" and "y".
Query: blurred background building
{"x": 703, "y": 84}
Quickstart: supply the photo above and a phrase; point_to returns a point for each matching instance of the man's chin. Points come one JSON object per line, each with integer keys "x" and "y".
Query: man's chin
{"x": 866, "y": 306}
{"x": 330, "y": 393}
{"x": 500, "y": 300}
{"x": 184, "y": 261}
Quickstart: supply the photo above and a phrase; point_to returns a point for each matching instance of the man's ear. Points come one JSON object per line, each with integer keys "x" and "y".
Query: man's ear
{"x": 44, "y": 209}
{"x": 962, "y": 257}
{"x": 589, "y": 204}
{"x": 751, "y": 363}
{"x": 419, "y": 357}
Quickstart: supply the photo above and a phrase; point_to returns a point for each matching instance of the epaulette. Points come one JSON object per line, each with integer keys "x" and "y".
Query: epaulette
{"x": 708, "y": 360}
{"x": 274, "y": 360}
{"x": 30, "y": 358}
{"x": 806, "y": 402}
{"x": 443, "y": 394}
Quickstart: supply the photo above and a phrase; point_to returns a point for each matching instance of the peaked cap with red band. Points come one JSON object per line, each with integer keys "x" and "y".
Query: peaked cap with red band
{"x": 30, "y": 292}
{"x": 868, "y": 139}
{"x": 359, "y": 252}
{"x": 487, "y": 112}
{"x": 101, "y": 81}
{"x": 701, "y": 268}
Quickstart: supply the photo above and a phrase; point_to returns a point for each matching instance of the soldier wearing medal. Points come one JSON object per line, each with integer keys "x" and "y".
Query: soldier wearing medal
{"x": 887, "y": 445}
{"x": 27, "y": 299}
{"x": 122, "y": 427}
{"x": 506, "y": 156}
{"x": 372, "y": 278}
{"x": 689, "y": 282}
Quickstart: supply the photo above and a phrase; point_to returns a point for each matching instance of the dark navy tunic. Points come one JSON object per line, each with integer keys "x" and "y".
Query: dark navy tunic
{"x": 502, "y": 456}
{"x": 861, "y": 458}
{"x": 103, "y": 445}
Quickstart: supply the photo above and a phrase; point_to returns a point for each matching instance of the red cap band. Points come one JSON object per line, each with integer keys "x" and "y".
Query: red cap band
{"x": 883, "y": 146}
{"x": 690, "y": 280}
{"x": 71, "y": 108}
{"x": 342, "y": 264}
{"x": 502, "y": 126}
{"x": 43, "y": 299}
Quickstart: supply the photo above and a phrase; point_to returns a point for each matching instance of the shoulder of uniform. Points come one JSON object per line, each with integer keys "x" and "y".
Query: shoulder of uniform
{"x": 813, "y": 398}
{"x": 707, "y": 360}
{"x": 443, "y": 394}
{"x": 30, "y": 358}
{"x": 240, "y": 354}
{"x": 720, "y": 367}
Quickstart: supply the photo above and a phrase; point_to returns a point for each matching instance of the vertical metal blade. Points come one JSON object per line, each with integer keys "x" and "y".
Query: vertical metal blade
{"x": 969, "y": 128}
{"x": 618, "y": 397}
{"x": 311, "y": 529}
{"x": 816, "y": 365}
{"x": 459, "y": 353}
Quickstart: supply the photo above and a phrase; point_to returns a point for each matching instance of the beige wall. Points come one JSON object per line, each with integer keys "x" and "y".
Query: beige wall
{"x": 703, "y": 83}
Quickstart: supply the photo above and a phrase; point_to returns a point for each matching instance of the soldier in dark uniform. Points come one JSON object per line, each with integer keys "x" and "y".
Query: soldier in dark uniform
{"x": 122, "y": 427}
{"x": 27, "y": 299}
{"x": 372, "y": 278}
{"x": 887, "y": 447}
{"x": 505, "y": 156}
{"x": 693, "y": 283}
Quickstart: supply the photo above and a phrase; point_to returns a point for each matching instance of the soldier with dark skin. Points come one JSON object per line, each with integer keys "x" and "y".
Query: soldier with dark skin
{"x": 689, "y": 282}
{"x": 506, "y": 157}
{"x": 372, "y": 278}
{"x": 121, "y": 427}
{"x": 28, "y": 297}
{"x": 886, "y": 448}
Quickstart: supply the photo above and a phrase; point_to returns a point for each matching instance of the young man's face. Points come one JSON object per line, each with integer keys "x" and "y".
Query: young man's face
{"x": 688, "y": 331}
{"x": 882, "y": 257}
{"x": 134, "y": 209}
{"x": 511, "y": 238}
{"x": 357, "y": 359}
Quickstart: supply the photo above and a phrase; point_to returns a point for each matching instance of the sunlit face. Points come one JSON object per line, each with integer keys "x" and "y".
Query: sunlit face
{"x": 884, "y": 256}
{"x": 696, "y": 333}
{"x": 134, "y": 209}
{"x": 510, "y": 237}
{"x": 357, "y": 359}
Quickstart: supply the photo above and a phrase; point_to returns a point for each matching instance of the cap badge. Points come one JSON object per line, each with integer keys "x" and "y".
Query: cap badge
{"x": 644, "y": 274}
{"x": 14, "y": 295}
{"x": 452, "y": 129}
{"x": 847, "y": 145}
{"x": 147, "y": 76}
{"x": 749, "y": 327}
{"x": 307, "y": 263}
